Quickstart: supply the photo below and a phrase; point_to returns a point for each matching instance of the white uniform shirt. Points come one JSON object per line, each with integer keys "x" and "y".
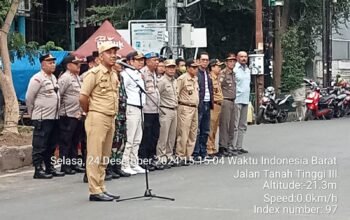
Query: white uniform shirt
{"x": 131, "y": 77}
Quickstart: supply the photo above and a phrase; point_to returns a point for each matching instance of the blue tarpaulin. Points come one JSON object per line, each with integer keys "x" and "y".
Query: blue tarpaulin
{"x": 23, "y": 70}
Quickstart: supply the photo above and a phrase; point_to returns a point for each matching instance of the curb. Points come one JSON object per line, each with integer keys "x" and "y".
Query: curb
{"x": 14, "y": 157}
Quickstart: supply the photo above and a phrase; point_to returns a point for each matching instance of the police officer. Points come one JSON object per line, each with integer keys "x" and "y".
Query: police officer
{"x": 135, "y": 101}
{"x": 70, "y": 124}
{"x": 168, "y": 121}
{"x": 43, "y": 101}
{"x": 227, "y": 120}
{"x": 150, "y": 109}
{"x": 99, "y": 99}
{"x": 187, "y": 115}
{"x": 214, "y": 68}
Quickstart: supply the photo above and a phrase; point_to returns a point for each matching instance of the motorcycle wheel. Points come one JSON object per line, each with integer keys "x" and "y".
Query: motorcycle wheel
{"x": 330, "y": 115}
{"x": 309, "y": 115}
{"x": 283, "y": 118}
{"x": 260, "y": 117}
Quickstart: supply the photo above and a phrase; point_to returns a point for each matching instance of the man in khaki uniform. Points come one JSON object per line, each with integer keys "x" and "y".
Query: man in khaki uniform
{"x": 227, "y": 119}
{"x": 168, "y": 103}
{"x": 187, "y": 117}
{"x": 99, "y": 98}
{"x": 214, "y": 68}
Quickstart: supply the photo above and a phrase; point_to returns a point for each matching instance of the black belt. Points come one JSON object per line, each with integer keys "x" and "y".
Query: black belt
{"x": 136, "y": 106}
{"x": 189, "y": 105}
{"x": 167, "y": 107}
{"x": 232, "y": 100}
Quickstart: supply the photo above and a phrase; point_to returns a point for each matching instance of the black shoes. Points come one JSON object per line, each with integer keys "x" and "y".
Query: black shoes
{"x": 67, "y": 170}
{"x": 108, "y": 177}
{"x": 78, "y": 169}
{"x": 114, "y": 175}
{"x": 102, "y": 197}
{"x": 85, "y": 179}
{"x": 231, "y": 153}
{"x": 54, "y": 172}
{"x": 118, "y": 170}
{"x": 223, "y": 152}
{"x": 242, "y": 151}
{"x": 111, "y": 195}
{"x": 40, "y": 173}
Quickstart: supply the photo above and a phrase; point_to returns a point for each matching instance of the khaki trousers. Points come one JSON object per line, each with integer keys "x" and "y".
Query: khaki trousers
{"x": 186, "y": 131}
{"x": 167, "y": 134}
{"x": 214, "y": 124}
{"x": 133, "y": 137}
{"x": 99, "y": 133}
{"x": 226, "y": 127}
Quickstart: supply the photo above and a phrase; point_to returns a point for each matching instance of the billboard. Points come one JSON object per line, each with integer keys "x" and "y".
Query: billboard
{"x": 147, "y": 35}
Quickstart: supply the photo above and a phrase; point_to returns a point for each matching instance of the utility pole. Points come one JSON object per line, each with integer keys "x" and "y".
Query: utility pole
{"x": 277, "y": 55}
{"x": 72, "y": 26}
{"x": 259, "y": 44}
{"x": 172, "y": 27}
{"x": 327, "y": 42}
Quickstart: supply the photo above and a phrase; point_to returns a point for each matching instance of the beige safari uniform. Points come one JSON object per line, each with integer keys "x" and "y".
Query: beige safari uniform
{"x": 167, "y": 87}
{"x": 227, "y": 119}
{"x": 187, "y": 119}
{"x": 214, "y": 113}
{"x": 42, "y": 100}
{"x": 101, "y": 86}
{"x": 70, "y": 85}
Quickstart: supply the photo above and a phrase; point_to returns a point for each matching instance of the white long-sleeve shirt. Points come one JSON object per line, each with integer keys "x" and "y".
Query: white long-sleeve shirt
{"x": 132, "y": 90}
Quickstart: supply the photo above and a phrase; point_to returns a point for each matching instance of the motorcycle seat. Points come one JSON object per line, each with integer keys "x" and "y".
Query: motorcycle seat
{"x": 325, "y": 99}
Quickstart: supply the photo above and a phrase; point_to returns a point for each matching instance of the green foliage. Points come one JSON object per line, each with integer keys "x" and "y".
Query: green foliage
{"x": 19, "y": 48}
{"x": 5, "y": 6}
{"x": 293, "y": 68}
{"x": 50, "y": 45}
{"x": 120, "y": 15}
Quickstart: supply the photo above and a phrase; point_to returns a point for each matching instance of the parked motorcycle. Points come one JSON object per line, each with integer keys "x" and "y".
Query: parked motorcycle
{"x": 345, "y": 105}
{"x": 319, "y": 106}
{"x": 272, "y": 110}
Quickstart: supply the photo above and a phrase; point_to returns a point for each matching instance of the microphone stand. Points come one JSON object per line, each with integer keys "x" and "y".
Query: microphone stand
{"x": 148, "y": 192}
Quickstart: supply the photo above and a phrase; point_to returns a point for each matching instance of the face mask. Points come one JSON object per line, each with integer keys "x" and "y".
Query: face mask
{"x": 182, "y": 69}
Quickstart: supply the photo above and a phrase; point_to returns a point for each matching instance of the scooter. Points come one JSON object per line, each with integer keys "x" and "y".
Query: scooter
{"x": 319, "y": 107}
{"x": 272, "y": 110}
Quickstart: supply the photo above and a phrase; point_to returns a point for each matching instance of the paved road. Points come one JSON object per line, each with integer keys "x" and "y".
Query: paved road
{"x": 211, "y": 191}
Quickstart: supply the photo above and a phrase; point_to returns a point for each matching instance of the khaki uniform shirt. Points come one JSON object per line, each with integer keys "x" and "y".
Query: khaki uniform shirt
{"x": 217, "y": 91}
{"x": 102, "y": 88}
{"x": 187, "y": 89}
{"x": 168, "y": 92}
{"x": 42, "y": 97}
{"x": 151, "y": 89}
{"x": 228, "y": 83}
{"x": 70, "y": 85}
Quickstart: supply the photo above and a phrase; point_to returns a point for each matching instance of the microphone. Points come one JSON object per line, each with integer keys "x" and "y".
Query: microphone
{"x": 125, "y": 64}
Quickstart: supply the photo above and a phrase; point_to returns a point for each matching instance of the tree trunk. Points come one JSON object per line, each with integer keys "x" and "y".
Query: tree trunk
{"x": 11, "y": 112}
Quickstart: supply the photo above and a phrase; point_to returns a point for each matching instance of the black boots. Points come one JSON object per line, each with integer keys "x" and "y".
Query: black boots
{"x": 54, "y": 172}
{"x": 40, "y": 173}
{"x": 118, "y": 170}
{"x": 109, "y": 171}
